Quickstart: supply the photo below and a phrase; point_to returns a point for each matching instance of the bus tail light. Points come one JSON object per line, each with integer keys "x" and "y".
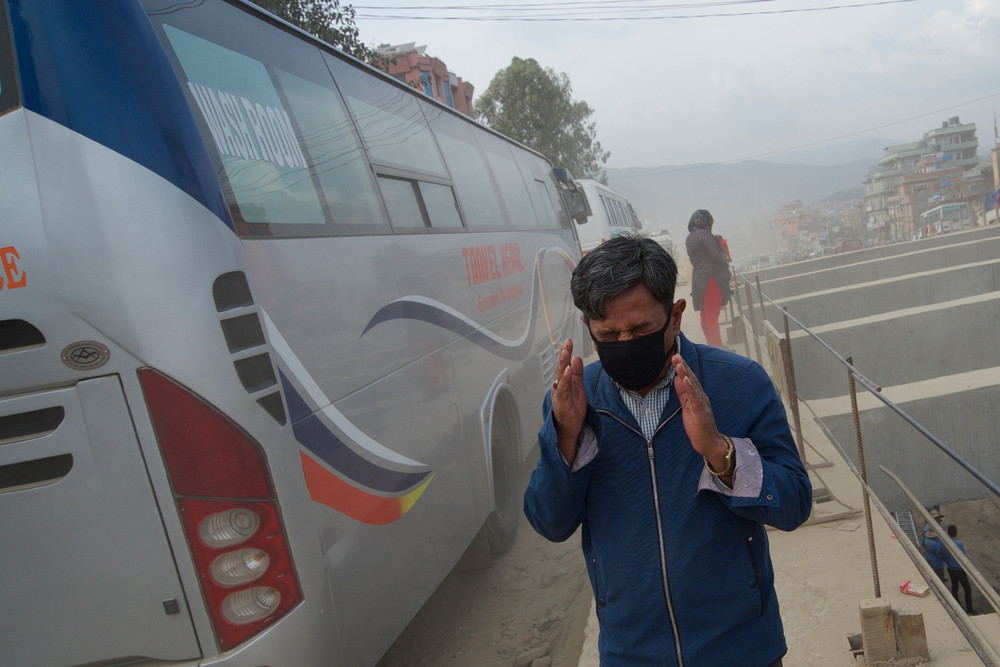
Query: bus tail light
{"x": 251, "y": 604}
{"x": 239, "y": 567}
{"x": 224, "y": 529}
{"x": 226, "y": 499}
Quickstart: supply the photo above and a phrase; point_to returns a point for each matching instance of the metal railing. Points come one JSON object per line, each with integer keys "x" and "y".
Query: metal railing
{"x": 780, "y": 361}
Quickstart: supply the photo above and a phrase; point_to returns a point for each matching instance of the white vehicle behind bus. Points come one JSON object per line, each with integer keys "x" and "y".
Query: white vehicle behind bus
{"x": 609, "y": 214}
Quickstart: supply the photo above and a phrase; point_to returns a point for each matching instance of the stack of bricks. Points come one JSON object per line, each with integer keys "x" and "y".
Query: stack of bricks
{"x": 890, "y": 637}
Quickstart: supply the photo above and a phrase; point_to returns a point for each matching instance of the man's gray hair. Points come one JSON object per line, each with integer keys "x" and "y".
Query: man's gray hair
{"x": 618, "y": 265}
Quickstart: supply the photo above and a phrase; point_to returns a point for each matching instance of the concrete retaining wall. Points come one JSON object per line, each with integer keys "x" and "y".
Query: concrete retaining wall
{"x": 920, "y": 319}
{"x": 921, "y": 258}
{"x": 966, "y": 421}
{"x": 870, "y": 299}
{"x": 901, "y": 346}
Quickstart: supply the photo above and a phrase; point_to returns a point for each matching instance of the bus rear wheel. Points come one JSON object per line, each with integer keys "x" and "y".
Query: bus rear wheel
{"x": 501, "y": 525}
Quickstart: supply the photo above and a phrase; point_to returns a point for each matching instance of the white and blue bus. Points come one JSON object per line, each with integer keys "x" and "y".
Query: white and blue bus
{"x": 946, "y": 218}
{"x": 274, "y": 332}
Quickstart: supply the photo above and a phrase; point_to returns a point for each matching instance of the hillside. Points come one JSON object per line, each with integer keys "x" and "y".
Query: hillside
{"x": 741, "y": 196}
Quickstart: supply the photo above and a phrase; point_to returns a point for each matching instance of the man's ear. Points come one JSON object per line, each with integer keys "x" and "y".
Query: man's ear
{"x": 675, "y": 316}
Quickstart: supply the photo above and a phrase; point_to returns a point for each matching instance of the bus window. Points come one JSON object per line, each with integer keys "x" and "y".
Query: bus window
{"x": 419, "y": 204}
{"x": 550, "y": 208}
{"x": 515, "y": 193}
{"x": 543, "y": 204}
{"x": 8, "y": 83}
{"x": 390, "y": 121}
{"x": 251, "y": 130}
{"x": 537, "y": 190}
{"x": 439, "y": 201}
{"x": 401, "y": 201}
{"x": 467, "y": 165}
{"x": 300, "y": 120}
{"x": 334, "y": 151}
{"x": 623, "y": 218}
{"x": 609, "y": 211}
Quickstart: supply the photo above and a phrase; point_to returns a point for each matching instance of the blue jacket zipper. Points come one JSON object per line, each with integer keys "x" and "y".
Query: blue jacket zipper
{"x": 659, "y": 526}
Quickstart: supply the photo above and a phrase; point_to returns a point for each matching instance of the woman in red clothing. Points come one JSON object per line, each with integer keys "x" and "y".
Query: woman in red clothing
{"x": 709, "y": 274}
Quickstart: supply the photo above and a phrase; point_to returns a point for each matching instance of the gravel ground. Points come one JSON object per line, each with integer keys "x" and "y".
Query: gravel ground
{"x": 528, "y": 608}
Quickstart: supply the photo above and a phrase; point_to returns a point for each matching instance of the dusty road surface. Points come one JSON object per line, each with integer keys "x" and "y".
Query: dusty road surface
{"x": 529, "y": 607}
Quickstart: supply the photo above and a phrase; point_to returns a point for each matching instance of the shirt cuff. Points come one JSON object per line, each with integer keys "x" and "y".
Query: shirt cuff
{"x": 586, "y": 449}
{"x": 748, "y": 478}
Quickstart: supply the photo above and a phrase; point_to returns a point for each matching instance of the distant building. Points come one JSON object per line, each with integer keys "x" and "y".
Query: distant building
{"x": 933, "y": 183}
{"x": 793, "y": 225}
{"x": 914, "y": 177}
{"x": 414, "y": 67}
{"x": 802, "y": 231}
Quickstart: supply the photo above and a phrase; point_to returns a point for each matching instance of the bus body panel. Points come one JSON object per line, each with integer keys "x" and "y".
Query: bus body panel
{"x": 87, "y": 535}
{"x": 400, "y": 378}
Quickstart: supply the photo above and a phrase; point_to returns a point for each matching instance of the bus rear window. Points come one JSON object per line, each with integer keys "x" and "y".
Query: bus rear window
{"x": 251, "y": 130}
{"x": 288, "y": 156}
{"x": 8, "y": 82}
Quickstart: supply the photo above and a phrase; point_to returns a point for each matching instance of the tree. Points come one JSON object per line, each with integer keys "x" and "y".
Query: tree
{"x": 535, "y": 106}
{"x": 327, "y": 20}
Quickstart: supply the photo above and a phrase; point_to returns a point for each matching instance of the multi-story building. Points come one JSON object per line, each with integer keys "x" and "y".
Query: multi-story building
{"x": 411, "y": 64}
{"x": 913, "y": 177}
{"x": 793, "y": 226}
{"x": 933, "y": 182}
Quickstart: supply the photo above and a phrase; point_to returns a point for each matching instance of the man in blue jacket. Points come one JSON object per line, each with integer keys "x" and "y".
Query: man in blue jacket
{"x": 934, "y": 550}
{"x": 672, "y": 457}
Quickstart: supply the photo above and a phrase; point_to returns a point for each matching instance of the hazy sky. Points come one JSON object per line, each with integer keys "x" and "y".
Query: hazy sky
{"x": 728, "y": 80}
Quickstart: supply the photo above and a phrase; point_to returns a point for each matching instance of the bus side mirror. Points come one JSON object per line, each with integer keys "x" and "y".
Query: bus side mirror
{"x": 563, "y": 175}
{"x": 579, "y": 209}
{"x": 578, "y": 206}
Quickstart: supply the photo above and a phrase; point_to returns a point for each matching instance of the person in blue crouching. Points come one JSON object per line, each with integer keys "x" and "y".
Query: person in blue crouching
{"x": 672, "y": 457}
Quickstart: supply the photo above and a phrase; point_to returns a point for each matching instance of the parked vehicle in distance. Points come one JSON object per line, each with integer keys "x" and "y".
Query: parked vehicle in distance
{"x": 946, "y": 218}
{"x": 850, "y": 245}
{"x": 609, "y": 214}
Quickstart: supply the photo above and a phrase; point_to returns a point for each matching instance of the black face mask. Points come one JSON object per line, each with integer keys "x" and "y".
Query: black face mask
{"x": 634, "y": 363}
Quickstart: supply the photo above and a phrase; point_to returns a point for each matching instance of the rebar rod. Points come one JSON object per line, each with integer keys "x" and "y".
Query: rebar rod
{"x": 864, "y": 478}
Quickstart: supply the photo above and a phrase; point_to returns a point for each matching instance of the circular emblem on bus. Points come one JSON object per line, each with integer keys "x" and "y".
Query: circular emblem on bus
{"x": 85, "y": 355}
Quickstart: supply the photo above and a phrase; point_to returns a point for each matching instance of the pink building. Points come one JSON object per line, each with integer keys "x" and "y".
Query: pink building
{"x": 793, "y": 224}
{"x": 413, "y": 66}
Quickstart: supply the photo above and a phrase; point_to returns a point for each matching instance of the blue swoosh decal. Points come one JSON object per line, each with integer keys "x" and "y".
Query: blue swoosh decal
{"x": 434, "y": 312}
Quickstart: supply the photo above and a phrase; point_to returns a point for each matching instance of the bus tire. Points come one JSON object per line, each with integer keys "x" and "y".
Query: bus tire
{"x": 501, "y": 525}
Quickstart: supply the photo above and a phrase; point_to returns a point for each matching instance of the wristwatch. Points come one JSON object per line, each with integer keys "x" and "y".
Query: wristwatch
{"x": 730, "y": 460}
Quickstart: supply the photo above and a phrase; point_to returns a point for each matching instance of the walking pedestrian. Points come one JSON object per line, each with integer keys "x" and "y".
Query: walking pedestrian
{"x": 710, "y": 276}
